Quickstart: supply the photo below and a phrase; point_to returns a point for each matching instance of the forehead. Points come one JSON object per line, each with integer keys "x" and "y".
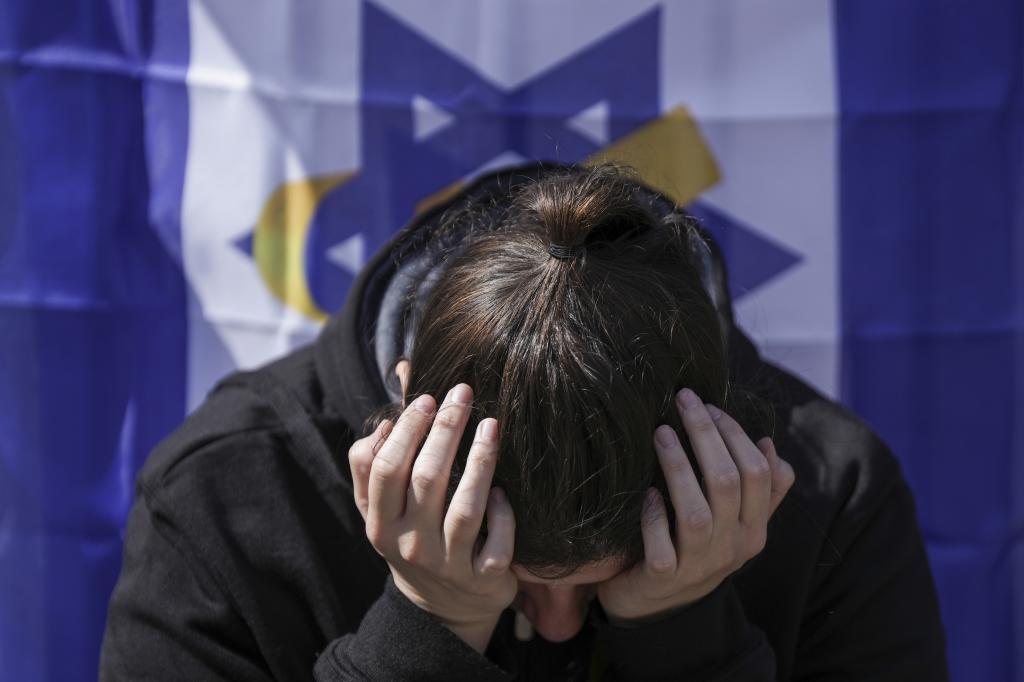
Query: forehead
{"x": 595, "y": 572}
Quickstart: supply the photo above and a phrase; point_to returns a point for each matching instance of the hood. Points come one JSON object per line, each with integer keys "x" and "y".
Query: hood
{"x": 358, "y": 345}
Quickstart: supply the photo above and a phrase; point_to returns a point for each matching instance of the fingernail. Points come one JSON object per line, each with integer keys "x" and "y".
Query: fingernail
{"x": 688, "y": 398}
{"x": 487, "y": 430}
{"x": 423, "y": 404}
{"x": 713, "y": 411}
{"x": 459, "y": 395}
{"x": 665, "y": 435}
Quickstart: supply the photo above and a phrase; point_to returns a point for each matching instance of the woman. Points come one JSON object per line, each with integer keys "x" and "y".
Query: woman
{"x": 586, "y": 502}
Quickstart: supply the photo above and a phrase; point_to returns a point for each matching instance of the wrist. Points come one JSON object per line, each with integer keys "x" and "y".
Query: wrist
{"x": 639, "y": 619}
{"x": 473, "y": 630}
{"x": 652, "y": 651}
{"x": 475, "y": 634}
{"x": 636, "y": 612}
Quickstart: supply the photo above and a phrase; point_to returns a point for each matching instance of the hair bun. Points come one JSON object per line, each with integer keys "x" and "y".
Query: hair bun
{"x": 584, "y": 207}
{"x": 562, "y": 252}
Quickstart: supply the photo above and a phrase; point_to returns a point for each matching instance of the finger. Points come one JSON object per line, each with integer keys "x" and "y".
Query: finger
{"x": 693, "y": 515}
{"x": 659, "y": 552}
{"x": 389, "y": 473}
{"x": 360, "y": 457}
{"x": 432, "y": 468}
{"x": 755, "y": 473}
{"x": 466, "y": 511}
{"x": 721, "y": 476}
{"x": 496, "y": 554}
{"x": 783, "y": 475}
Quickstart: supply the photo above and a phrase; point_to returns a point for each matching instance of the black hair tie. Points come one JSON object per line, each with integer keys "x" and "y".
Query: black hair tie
{"x": 562, "y": 252}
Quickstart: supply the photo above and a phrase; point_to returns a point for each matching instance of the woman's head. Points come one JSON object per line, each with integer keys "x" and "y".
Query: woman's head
{"x": 577, "y": 358}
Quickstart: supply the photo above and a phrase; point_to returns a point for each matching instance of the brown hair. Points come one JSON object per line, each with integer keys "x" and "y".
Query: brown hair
{"x": 579, "y": 359}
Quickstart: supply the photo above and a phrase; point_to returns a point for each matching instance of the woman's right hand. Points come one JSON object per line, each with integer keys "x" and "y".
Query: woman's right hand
{"x": 401, "y": 495}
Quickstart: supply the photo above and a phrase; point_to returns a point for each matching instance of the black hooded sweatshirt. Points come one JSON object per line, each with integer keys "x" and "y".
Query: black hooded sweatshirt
{"x": 246, "y": 558}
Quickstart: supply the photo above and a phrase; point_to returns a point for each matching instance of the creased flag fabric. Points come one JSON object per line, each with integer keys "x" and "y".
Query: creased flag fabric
{"x": 190, "y": 188}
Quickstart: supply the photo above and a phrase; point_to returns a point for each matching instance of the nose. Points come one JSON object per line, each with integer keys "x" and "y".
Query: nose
{"x": 557, "y": 612}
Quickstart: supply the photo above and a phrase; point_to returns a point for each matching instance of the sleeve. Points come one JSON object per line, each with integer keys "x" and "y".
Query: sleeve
{"x": 874, "y": 613}
{"x": 710, "y": 639}
{"x": 397, "y": 640}
{"x": 168, "y": 619}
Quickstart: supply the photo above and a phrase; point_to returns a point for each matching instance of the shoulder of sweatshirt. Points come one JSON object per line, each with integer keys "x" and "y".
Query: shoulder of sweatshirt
{"x": 841, "y": 464}
{"x": 231, "y": 487}
{"x": 846, "y": 478}
{"x": 233, "y": 477}
{"x": 236, "y": 427}
{"x": 843, "y": 467}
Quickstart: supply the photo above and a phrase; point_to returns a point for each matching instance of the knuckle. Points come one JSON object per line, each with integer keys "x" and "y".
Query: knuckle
{"x": 460, "y": 517}
{"x": 411, "y": 422}
{"x": 358, "y": 453}
{"x": 375, "y": 534}
{"x": 497, "y": 563}
{"x": 358, "y": 450}
{"x": 653, "y": 512}
{"x": 696, "y": 525}
{"x": 423, "y": 481}
{"x": 758, "y": 470}
{"x": 384, "y": 468}
{"x": 360, "y": 467}
{"x": 727, "y": 480}
{"x": 660, "y": 564}
{"x": 393, "y": 453}
{"x": 481, "y": 452}
{"x": 697, "y": 520}
{"x": 480, "y": 459}
{"x": 448, "y": 418}
{"x": 652, "y": 518}
{"x": 411, "y": 418}
{"x": 411, "y": 549}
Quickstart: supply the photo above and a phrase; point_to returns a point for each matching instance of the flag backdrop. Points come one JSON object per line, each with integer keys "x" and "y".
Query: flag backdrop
{"x": 190, "y": 188}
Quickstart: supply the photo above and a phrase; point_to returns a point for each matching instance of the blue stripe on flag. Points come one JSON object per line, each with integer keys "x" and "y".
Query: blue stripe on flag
{"x": 92, "y": 307}
{"x": 930, "y": 95}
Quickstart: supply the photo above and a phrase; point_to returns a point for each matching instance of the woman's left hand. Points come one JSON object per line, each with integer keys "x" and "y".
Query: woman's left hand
{"x": 715, "y": 535}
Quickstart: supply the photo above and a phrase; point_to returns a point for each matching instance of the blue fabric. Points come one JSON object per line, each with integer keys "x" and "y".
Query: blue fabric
{"x": 396, "y": 172}
{"x": 93, "y": 329}
{"x": 92, "y": 311}
{"x": 932, "y": 231}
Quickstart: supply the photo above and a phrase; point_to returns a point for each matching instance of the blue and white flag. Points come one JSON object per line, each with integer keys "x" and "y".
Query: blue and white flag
{"x": 186, "y": 189}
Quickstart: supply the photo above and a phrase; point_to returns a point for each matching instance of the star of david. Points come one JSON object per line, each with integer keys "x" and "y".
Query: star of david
{"x": 428, "y": 119}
